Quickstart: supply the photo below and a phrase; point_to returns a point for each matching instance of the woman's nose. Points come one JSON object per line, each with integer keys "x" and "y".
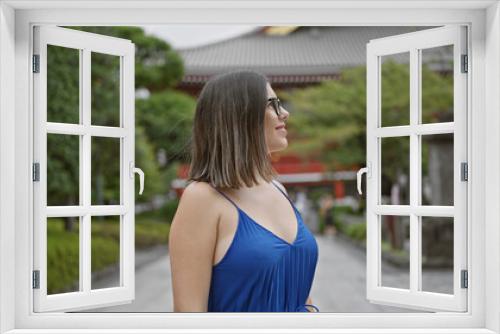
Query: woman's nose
{"x": 284, "y": 113}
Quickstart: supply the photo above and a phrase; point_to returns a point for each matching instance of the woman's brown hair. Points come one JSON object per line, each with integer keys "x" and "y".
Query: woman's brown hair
{"x": 228, "y": 146}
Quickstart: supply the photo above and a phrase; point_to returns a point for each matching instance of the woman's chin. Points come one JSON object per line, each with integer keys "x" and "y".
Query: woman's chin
{"x": 283, "y": 145}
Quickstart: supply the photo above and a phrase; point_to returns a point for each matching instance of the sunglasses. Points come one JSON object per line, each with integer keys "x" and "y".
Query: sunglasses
{"x": 276, "y": 103}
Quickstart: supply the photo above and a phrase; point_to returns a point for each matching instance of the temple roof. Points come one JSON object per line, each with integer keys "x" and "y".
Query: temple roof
{"x": 294, "y": 52}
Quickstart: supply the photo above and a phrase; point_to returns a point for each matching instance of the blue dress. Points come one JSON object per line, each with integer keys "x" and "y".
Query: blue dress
{"x": 262, "y": 272}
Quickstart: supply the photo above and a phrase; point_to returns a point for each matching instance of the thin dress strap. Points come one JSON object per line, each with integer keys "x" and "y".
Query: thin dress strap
{"x": 279, "y": 188}
{"x": 230, "y": 200}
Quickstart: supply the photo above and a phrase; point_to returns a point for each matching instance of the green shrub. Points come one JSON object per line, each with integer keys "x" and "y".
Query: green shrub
{"x": 149, "y": 233}
{"x": 339, "y": 225}
{"x": 344, "y": 209}
{"x": 63, "y": 247}
{"x": 356, "y": 231}
{"x": 105, "y": 252}
{"x": 62, "y": 257}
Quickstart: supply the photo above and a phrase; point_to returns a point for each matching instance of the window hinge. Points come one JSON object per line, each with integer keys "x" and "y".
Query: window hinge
{"x": 465, "y": 279}
{"x": 465, "y": 67}
{"x": 36, "y": 171}
{"x": 36, "y": 63}
{"x": 464, "y": 171}
{"x": 36, "y": 279}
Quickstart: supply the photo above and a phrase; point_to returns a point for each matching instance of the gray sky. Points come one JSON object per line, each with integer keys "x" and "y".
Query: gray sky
{"x": 188, "y": 35}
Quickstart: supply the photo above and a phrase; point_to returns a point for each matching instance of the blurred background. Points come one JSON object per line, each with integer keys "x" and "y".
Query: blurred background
{"x": 319, "y": 72}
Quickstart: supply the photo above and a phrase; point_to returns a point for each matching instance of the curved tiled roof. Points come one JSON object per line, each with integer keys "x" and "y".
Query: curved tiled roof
{"x": 307, "y": 51}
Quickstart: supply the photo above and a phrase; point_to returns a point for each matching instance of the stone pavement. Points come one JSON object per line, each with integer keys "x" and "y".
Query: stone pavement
{"x": 339, "y": 284}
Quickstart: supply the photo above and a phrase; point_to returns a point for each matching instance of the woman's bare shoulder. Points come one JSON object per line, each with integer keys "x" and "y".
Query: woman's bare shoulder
{"x": 199, "y": 190}
{"x": 199, "y": 195}
{"x": 197, "y": 204}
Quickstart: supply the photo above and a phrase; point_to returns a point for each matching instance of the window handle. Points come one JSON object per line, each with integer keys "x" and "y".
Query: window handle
{"x": 360, "y": 174}
{"x": 139, "y": 171}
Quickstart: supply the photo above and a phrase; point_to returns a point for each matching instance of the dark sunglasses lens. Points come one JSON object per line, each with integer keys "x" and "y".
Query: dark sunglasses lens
{"x": 277, "y": 106}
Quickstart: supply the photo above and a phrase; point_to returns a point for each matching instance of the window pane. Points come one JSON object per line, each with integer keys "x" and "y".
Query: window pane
{"x": 437, "y": 84}
{"x": 395, "y": 86}
{"x": 63, "y": 255}
{"x": 105, "y": 90}
{"x": 105, "y": 244}
{"x": 395, "y": 248}
{"x": 437, "y": 169}
{"x": 63, "y": 84}
{"x": 437, "y": 254}
{"x": 395, "y": 170}
{"x": 63, "y": 169}
{"x": 105, "y": 171}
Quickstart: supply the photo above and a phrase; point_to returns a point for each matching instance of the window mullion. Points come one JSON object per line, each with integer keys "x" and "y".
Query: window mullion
{"x": 85, "y": 153}
{"x": 415, "y": 238}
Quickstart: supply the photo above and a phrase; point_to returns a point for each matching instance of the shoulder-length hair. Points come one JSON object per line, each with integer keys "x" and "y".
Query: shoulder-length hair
{"x": 228, "y": 146}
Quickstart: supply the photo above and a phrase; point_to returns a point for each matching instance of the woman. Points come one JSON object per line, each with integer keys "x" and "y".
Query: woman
{"x": 237, "y": 243}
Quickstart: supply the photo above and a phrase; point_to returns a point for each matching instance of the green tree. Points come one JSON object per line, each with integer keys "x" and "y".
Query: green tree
{"x": 328, "y": 121}
{"x": 168, "y": 118}
{"x": 157, "y": 65}
{"x": 166, "y": 115}
{"x": 158, "y": 68}
{"x": 154, "y": 181}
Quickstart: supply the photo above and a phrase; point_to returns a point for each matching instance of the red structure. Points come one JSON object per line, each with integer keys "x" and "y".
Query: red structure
{"x": 293, "y": 172}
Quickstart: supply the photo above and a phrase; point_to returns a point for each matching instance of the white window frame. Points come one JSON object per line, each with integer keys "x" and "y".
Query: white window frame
{"x": 84, "y": 43}
{"x": 16, "y": 214}
{"x": 413, "y": 44}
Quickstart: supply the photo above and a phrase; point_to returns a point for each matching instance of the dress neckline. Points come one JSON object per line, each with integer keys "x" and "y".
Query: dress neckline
{"x": 295, "y": 211}
{"x": 271, "y": 232}
{"x": 241, "y": 211}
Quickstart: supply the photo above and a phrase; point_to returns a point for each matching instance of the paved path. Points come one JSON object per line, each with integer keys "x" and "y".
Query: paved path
{"x": 153, "y": 284}
{"x": 339, "y": 284}
{"x": 340, "y": 279}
